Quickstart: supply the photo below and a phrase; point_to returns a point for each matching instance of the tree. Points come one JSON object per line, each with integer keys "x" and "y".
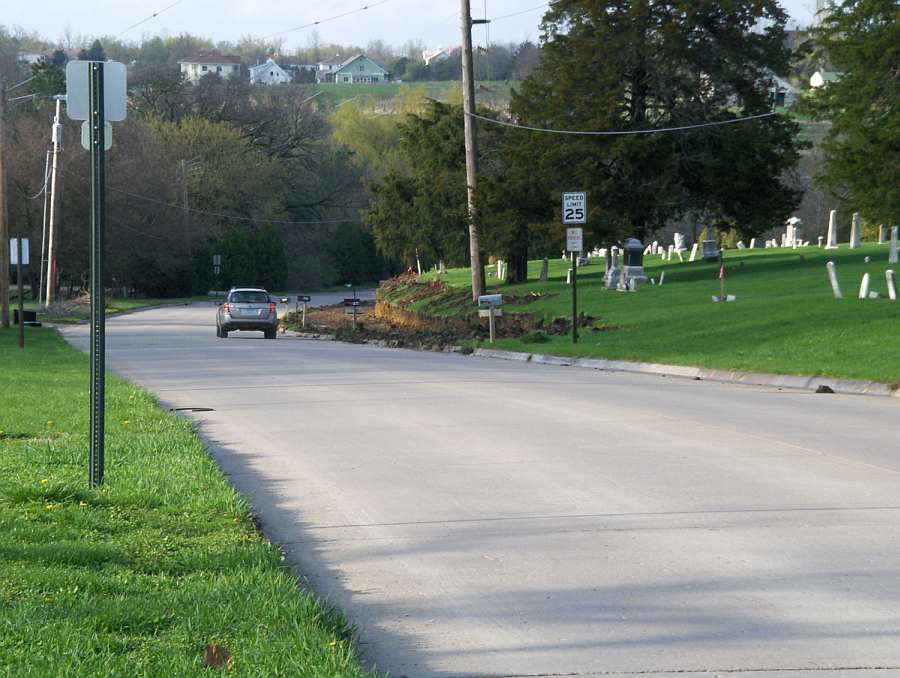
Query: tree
{"x": 627, "y": 65}
{"x": 94, "y": 53}
{"x": 48, "y": 78}
{"x": 861, "y": 40}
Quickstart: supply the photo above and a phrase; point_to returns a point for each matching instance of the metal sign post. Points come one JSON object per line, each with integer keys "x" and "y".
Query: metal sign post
{"x": 21, "y": 258}
{"x": 96, "y": 92}
{"x": 98, "y": 292}
{"x": 575, "y": 212}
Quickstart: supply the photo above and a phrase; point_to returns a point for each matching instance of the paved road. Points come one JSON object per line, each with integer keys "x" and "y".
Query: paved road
{"x": 483, "y": 518}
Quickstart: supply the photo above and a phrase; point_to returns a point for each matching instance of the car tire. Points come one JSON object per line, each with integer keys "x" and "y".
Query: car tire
{"x": 271, "y": 334}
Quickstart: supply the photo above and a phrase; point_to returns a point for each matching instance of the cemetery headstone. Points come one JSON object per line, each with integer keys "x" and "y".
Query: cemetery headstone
{"x": 545, "y": 270}
{"x": 741, "y": 245}
{"x": 694, "y": 249}
{"x": 881, "y": 238}
{"x": 832, "y": 243}
{"x": 821, "y": 241}
{"x": 892, "y": 257}
{"x": 891, "y": 280}
{"x": 679, "y": 243}
{"x": 855, "y": 232}
{"x": 864, "y": 287}
{"x": 752, "y": 243}
{"x": 832, "y": 277}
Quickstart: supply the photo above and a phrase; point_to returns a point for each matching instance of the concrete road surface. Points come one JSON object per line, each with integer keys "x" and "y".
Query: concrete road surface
{"x": 484, "y": 518}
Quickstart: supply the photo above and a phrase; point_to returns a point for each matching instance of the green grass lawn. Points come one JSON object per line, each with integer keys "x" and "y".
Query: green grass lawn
{"x": 785, "y": 319}
{"x": 135, "y": 579}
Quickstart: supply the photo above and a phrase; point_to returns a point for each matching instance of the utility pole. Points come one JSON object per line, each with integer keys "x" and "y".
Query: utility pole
{"x": 4, "y": 225}
{"x": 186, "y": 207}
{"x": 468, "y": 77}
{"x": 43, "y": 266}
{"x": 51, "y": 252}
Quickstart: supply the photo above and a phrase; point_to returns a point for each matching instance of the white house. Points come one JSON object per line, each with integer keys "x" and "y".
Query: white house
{"x": 430, "y": 56}
{"x": 226, "y": 66}
{"x": 822, "y": 78}
{"x": 269, "y": 73}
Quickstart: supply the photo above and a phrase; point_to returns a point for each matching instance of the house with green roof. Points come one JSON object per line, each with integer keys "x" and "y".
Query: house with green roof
{"x": 356, "y": 70}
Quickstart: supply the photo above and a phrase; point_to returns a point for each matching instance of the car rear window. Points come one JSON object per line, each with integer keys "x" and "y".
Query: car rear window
{"x": 249, "y": 298}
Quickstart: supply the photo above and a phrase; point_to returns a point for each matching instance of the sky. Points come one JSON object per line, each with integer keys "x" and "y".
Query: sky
{"x": 435, "y": 23}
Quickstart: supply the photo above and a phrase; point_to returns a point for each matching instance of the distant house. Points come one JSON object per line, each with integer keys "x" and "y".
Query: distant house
{"x": 359, "y": 69}
{"x": 226, "y": 66}
{"x": 269, "y": 73}
{"x": 430, "y": 56}
{"x": 822, "y": 78}
{"x": 30, "y": 58}
{"x": 784, "y": 94}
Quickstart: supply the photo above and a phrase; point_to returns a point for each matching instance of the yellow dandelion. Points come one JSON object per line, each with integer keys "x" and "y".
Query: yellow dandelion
{"x": 332, "y": 644}
{"x": 45, "y": 481}
{"x": 126, "y": 422}
{"x": 49, "y": 507}
{"x": 82, "y": 503}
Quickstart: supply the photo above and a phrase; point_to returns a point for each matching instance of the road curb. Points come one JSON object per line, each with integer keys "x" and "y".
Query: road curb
{"x": 782, "y": 381}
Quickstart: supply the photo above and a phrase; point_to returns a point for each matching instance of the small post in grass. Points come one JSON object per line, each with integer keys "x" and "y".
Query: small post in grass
{"x": 19, "y": 262}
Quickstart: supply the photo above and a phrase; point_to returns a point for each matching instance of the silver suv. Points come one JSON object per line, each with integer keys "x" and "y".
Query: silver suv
{"x": 247, "y": 308}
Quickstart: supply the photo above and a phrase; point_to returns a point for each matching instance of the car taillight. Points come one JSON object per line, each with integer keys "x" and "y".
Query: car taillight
{"x": 226, "y": 307}
{"x": 272, "y": 307}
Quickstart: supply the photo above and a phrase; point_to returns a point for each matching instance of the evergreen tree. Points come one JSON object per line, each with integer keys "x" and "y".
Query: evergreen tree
{"x": 861, "y": 40}
{"x": 625, "y": 65}
{"x": 95, "y": 53}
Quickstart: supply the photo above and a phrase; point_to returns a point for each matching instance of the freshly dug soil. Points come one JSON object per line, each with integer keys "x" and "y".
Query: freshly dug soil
{"x": 399, "y": 327}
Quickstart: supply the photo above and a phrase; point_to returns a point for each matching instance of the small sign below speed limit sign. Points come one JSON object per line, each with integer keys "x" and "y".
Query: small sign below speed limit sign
{"x": 574, "y": 208}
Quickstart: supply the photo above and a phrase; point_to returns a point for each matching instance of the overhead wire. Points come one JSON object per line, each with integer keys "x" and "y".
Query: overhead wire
{"x": 234, "y": 217}
{"x": 519, "y": 13}
{"x": 622, "y": 133}
{"x": 149, "y": 18}
{"x": 326, "y": 19}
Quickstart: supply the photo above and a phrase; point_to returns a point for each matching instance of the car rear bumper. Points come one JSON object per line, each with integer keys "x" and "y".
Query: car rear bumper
{"x": 258, "y": 325}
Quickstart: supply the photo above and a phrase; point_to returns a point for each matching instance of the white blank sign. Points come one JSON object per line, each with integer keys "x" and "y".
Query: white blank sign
{"x": 78, "y": 90}
{"x": 14, "y": 251}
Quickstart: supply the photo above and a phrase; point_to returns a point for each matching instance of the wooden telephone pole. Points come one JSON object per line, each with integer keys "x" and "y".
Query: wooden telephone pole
{"x": 4, "y": 225}
{"x": 468, "y": 76}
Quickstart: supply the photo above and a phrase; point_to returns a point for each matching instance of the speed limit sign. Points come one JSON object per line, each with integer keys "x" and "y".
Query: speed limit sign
{"x": 574, "y": 208}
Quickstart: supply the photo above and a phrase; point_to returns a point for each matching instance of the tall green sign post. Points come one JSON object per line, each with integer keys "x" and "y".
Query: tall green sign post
{"x": 96, "y": 94}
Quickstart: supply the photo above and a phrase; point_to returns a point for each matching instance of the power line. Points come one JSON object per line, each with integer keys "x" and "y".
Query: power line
{"x": 152, "y": 16}
{"x": 660, "y": 130}
{"x": 519, "y": 13}
{"x": 327, "y": 19}
{"x": 234, "y": 216}
{"x": 19, "y": 84}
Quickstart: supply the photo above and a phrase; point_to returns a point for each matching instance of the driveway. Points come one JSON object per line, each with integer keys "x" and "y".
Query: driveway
{"x": 487, "y": 518}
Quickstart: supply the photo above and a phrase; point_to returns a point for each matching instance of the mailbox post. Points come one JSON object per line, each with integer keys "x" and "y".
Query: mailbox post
{"x": 490, "y": 306}
{"x": 302, "y": 299}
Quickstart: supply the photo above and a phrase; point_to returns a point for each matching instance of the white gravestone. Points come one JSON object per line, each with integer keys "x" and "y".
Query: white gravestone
{"x": 670, "y": 252}
{"x": 892, "y": 257}
{"x": 881, "y": 238}
{"x": 694, "y": 249}
{"x": 832, "y": 276}
{"x": 741, "y": 245}
{"x": 864, "y": 287}
{"x": 752, "y": 243}
{"x": 821, "y": 241}
{"x": 855, "y": 234}
{"x": 679, "y": 243}
{"x": 891, "y": 284}
{"x": 832, "y": 243}
{"x": 662, "y": 278}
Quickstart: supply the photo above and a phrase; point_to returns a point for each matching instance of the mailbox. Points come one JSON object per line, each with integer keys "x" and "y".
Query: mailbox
{"x": 488, "y": 301}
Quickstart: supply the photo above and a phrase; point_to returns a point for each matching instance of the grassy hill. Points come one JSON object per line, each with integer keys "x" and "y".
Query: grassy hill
{"x": 785, "y": 319}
